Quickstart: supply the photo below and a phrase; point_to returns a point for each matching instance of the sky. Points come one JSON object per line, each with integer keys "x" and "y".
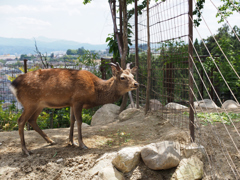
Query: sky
{"x": 71, "y": 20}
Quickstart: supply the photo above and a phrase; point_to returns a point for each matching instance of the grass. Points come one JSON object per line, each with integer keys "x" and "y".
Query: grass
{"x": 211, "y": 118}
{"x": 119, "y": 138}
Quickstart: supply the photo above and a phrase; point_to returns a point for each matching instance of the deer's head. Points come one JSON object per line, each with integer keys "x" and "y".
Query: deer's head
{"x": 124, "y": 78}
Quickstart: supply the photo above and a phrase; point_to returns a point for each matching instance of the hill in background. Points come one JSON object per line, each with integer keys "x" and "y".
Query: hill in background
{"x": 45, "y": 45}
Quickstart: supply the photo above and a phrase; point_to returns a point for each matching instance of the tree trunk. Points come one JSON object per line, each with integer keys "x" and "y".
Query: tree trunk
{"x": 125, "y": 47}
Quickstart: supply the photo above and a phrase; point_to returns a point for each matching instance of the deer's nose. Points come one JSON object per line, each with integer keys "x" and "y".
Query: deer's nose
{"x": 136, "y": 84}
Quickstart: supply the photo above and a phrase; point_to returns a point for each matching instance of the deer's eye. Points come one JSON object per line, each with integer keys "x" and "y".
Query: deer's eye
{"x": 122, "y": 78}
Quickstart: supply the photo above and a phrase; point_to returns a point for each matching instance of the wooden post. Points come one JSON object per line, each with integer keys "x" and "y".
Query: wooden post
{"x": 190, "y": 67}
{"x": 149, "y": 66}
{"x": 136, "y": 52}
{"x": 25, "y": 71}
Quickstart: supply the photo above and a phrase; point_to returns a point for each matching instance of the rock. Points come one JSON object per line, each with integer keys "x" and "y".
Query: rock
{"x": 128, "y": 114}
{"x": 127, "y": 159}
{"x": 205, "y": 103}
{"x": 105, "y": 115}
{"x": 189, "y": 169}
{"x": 162, "y": 155}
{"x": 173, "y": 105}
{"x": 230, "y": 104}
{"x": 84, "y": 125}
{"x": 59, "y": 160}
{"x": 192, "y": 149}
{"x": 155, "y": 105}
{"x": 129, "y": 106}
{"x": 104, "y": 161}
{"x": 110, "y": 173}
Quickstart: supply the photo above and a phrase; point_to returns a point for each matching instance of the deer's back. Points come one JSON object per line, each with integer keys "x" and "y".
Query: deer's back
{"x": 55, "y": 86}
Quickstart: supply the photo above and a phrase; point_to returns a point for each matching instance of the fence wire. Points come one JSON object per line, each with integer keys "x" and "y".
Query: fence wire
{"x": 215, "y": 81}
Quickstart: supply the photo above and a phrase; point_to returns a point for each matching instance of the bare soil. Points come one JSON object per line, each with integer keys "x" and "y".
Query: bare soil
{"x": 139, "y": 131}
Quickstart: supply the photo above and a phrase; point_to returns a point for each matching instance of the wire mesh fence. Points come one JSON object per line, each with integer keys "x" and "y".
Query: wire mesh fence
{"x": 215, "y": 81}
{"x": 168, "y": 24}
{"x": 214, "y": 74}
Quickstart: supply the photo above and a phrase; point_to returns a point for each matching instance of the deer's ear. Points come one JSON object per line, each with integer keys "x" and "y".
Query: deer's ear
{"x": 114, "y": 71}
{"x": 134, "y": 70}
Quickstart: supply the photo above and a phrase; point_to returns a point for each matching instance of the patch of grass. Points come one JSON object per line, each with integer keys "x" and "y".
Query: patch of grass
{"x": 119, "y": 138}
{"x": 211, "y": 118}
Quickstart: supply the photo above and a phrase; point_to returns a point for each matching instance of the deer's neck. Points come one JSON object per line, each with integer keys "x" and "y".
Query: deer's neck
{"x": 107, "y": 91}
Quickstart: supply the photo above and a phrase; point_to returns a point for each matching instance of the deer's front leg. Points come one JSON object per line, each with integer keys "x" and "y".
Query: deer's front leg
{"x": 77, "y": 110}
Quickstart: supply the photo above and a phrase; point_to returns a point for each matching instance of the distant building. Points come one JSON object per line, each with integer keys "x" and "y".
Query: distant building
{"x": 8, "y": 57}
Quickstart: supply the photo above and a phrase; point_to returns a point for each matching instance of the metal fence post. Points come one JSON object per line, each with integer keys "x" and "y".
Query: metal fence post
{"x": 190, "y": 66}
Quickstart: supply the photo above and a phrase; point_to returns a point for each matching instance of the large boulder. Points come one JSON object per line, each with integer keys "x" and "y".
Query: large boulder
{"x": 127, "y": 159}
{"x": 162, "y": 155}
{"x": 110, "y": 173}
{"x": 173, "y": 105}
{"x": 104, "y": 170}
{"x": 194, "y": 149}
{"x": 189, "y": 169}
{"x": 205, "y": 103}
{"x": 128, "y": 114}
{"x": 105, "y": 115}
{"x": 155, "y": 105}
{"x": 230, "y": 104}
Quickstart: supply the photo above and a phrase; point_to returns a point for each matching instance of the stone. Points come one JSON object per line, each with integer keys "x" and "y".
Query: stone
{"x": 84, "y": 125}
{"x": 129, "y": 106}
{"x": 110, "y": 173}
{"x": 230, "y": 104}
{"x": 162, "y": 155}
{"x": 192, "y": 149}
{"x": 189, "y": 169}
{"x": 155, "y": 105}
{"x": 105, "y": 114}
{"x": 59, "y": 160}
{"x": 173, "y": 105}
{"x": 128, "y": 114}
{"x": 127, "y": 159}
{"x": 205, "y": 103}
{"x": 102, "y": 162}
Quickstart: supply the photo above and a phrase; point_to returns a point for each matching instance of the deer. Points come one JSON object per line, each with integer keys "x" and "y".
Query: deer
{"x": 77, "y": 89}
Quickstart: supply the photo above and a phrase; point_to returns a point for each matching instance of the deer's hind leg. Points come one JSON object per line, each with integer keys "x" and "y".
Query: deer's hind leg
{"x": 33, "y": 122}
{"x": 72, "y": 122}
{"x": 77, "y": 110}
{"x": 26, "y": 115}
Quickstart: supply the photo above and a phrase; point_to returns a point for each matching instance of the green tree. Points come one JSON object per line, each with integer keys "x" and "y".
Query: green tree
{"x": 71, "y": 52}
{"x": 23, "y": 56}
{"x": 52, "y": 55}
{"x": 225, "y": 10}
{"x": 81, "y": 51}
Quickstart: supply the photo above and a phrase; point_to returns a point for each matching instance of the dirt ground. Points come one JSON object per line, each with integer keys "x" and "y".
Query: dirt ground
{"x": 139, "y": 131}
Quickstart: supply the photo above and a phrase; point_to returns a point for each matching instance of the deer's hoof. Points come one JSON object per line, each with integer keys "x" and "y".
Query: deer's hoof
{"x": 52, "y": 143}
{"x": 26, "y": 152}
{"x": 84, "y": 147}
{"x": 73, "y": 144}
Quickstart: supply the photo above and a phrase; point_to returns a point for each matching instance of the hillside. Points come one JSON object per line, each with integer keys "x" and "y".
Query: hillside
{"x": 25, "y": 46}
{"x": 77, "y": 164}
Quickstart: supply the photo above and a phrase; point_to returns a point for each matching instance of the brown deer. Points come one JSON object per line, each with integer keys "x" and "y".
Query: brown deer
{"x": 58, "y": 88}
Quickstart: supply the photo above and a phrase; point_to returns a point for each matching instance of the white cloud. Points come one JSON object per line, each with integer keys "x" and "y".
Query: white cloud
{"x": 22, "y": 21}
{"x": 7, "y": 9}
{"x": 27, "y": 9}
